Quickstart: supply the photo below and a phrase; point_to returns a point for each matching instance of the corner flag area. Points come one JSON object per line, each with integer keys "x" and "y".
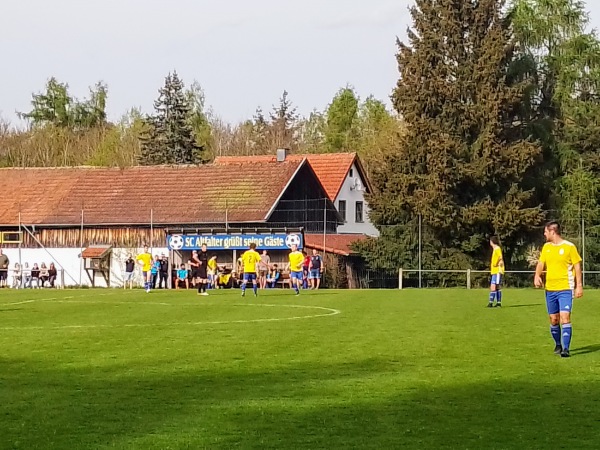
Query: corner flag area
{"x": 325, "y": 369}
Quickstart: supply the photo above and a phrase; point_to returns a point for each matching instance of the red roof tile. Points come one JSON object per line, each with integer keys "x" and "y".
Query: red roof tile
{"x": 331, "y": 168}
{"x": 334, "y": 243}
{"x": 175, "y": 194}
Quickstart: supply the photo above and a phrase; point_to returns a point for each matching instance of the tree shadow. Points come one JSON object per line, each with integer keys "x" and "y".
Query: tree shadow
{"x": 324, "y": 405}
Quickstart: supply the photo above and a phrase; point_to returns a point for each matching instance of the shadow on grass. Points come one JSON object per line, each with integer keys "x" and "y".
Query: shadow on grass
{"x": 585, "y": 350}
{"x": 319, "y": 406}
{"x": 529, "y": 305}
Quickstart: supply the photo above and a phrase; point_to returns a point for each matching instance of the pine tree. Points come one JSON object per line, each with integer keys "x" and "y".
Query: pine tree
{"x": 464, "y": 157}
{"x": 342, "y": 115}
{"x": 170, "y": 139}
{"x": 283, "y": 125}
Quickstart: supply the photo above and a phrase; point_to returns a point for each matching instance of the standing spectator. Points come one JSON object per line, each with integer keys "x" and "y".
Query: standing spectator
{"x": 129, "y": 271}
{"x": 26, "y": 275}
{"x": 164, "y": 271}
{"x": 263, "y": 269}
{"x": 315, "y": 270}
{"x": 44, "y": 274}
{"x": 52, "y": 273}
{"x": 305, "y": 266}
{"x": 17, "y": 276}
{"x": 154, "y": 270}
{"x": 213, "y": 272}
{"x": 194, "y": 268}
{"x": 35, "y": 275}
{"x": 182, "y": 277}
{"x": 4, "y": 261}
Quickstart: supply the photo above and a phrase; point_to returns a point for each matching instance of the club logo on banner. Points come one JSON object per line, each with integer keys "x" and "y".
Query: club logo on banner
{"x": 279, "y": 241}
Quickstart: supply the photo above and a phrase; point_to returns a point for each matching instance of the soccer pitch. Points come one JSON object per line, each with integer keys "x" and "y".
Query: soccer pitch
{"x": 328, "y": 369}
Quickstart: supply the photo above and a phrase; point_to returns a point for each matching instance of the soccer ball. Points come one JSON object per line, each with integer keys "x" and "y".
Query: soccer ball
{"x": 176, "y": 242}
{"x": 292, "y": 239}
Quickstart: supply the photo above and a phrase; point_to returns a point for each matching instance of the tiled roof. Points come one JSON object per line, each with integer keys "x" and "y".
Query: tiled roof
{"x": 175, "y": 194}
{"x": 331, "y": 168}
{"x": 334, "y": 243}
{"x": 95, "y": 252}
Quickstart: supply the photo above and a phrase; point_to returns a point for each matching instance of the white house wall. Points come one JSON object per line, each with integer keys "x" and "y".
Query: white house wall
{"x": 351, "y": 196}
{"x": 69, "y": 260}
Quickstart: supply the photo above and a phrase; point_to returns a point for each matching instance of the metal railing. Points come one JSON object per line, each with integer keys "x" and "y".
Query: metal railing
{"x": 468, "y": 273}
{"x": 23, "y": 279}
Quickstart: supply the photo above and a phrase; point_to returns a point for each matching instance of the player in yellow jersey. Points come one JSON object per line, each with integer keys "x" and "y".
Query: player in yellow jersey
{"x": 560, "y": 258}
{"x": 295, "y": 267}
{"x": 250, "y": 260}
{"x": 497, "y": 273}
{"x": 145, "y": 260}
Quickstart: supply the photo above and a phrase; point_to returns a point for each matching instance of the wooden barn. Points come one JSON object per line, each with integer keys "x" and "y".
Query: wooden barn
{"x": 62, "y": 215}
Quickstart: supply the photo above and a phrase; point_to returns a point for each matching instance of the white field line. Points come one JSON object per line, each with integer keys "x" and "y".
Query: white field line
{"x": 328, "y": 312}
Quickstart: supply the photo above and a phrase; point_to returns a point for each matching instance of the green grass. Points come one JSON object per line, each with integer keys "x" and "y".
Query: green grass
{"x": 394, "y": 369}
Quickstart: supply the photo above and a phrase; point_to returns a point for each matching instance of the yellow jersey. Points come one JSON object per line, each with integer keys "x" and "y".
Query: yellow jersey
{"x": 495, "y": 265}
{"x": 250, "y": 258}
{"x": 146, "y": 259}
{"x": 212, "y": 265}
{"x": 560, "y": 261}
{"x": 296, "y": 260}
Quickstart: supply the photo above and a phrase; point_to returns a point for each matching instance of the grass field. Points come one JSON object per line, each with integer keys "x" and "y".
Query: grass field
{"x": 328, "y": 369}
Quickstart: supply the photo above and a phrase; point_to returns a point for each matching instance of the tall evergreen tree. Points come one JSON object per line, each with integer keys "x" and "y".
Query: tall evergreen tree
{"x": 342, "y": 115}
{"x": 465, "y": 152}
{"x": 170, "y": 139}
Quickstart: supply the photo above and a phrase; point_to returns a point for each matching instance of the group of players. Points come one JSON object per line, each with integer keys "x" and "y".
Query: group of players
{"x": 562, "y": 263}
{"x": 200, "y": 263}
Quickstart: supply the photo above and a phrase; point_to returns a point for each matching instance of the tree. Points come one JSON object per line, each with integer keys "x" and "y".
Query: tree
{"x": 341, "y": 115}
{"x": 283, "y": 127}
{"x": 465, "y": 152}
{"x": 200, "y": 120}
{"x": 57, "y": 107}
{"x": 170, "y": 139}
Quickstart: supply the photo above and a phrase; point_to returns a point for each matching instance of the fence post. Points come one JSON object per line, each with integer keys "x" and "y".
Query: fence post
{"x": 400, "y": 278}
{"x": 468, "y": 278}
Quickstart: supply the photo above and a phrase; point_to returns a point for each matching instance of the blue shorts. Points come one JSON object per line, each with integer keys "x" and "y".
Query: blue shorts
{"x": 559, "y": 301}
{"x": 297, "y": 275}
{"x": 496, "y": 279}
{"x": 314, "y": 274}
{"x": 249, "y": 276}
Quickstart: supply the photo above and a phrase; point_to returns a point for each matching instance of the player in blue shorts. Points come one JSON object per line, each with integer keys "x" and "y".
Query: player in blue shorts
{"x": 563, "y": 279}
{"x": 250, "y": 260}
{"x": 296, "y": 259}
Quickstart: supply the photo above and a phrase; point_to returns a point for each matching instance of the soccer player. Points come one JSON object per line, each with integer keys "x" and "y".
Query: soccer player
{"x": 250, "y": 260}
{"x": 296, "y": 259}
{"x": 497, "y": 272}
{"x": 560, "y": 258}
{"x": 213, "y": 271}
{"x": 145, "y": 260}
{"x": 203, "y": 270}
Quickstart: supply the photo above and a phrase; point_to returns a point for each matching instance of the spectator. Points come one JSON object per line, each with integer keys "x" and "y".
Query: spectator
{"x": 273, "y": 277}
{"x": 17, "y": 276}
{"x": 154, "y": 271}
{"x": 129, "y": 271}
{"x": 26, "y": 273}
{"x": 52, "y": 273}
{"x": 182, "y": 277}
{"x": 263, "y": 269}
{"x": 213, "y": 272}
{"x": 164, "y": 271}
{"x": 4, "y": 262}
{"x": 305, "y": 266}
{"x": 35, "y": 275}
{"x": 44, "y": 274}
{"x": 315, "y": 270}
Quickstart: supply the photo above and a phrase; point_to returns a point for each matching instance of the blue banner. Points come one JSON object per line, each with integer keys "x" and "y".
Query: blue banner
{"x": 280, "y": 241}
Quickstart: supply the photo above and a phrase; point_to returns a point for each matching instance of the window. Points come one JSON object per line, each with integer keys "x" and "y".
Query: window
{"x": 342, "y": 208}
{"x": 351, "y": 174}
{"x": 359, "y": 212}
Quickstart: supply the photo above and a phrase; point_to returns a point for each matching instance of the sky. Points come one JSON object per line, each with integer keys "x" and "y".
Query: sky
{"x": 243, "y": 53}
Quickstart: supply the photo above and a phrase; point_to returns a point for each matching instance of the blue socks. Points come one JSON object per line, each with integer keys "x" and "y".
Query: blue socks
{"x": 243, "y": 288}
{"x": 498, "y": 296}
{"x": 566, "y": 335}
{"x": 492, "y": 296}
{"x": 255, "y": 289}
{"x": 555, "y": 332}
